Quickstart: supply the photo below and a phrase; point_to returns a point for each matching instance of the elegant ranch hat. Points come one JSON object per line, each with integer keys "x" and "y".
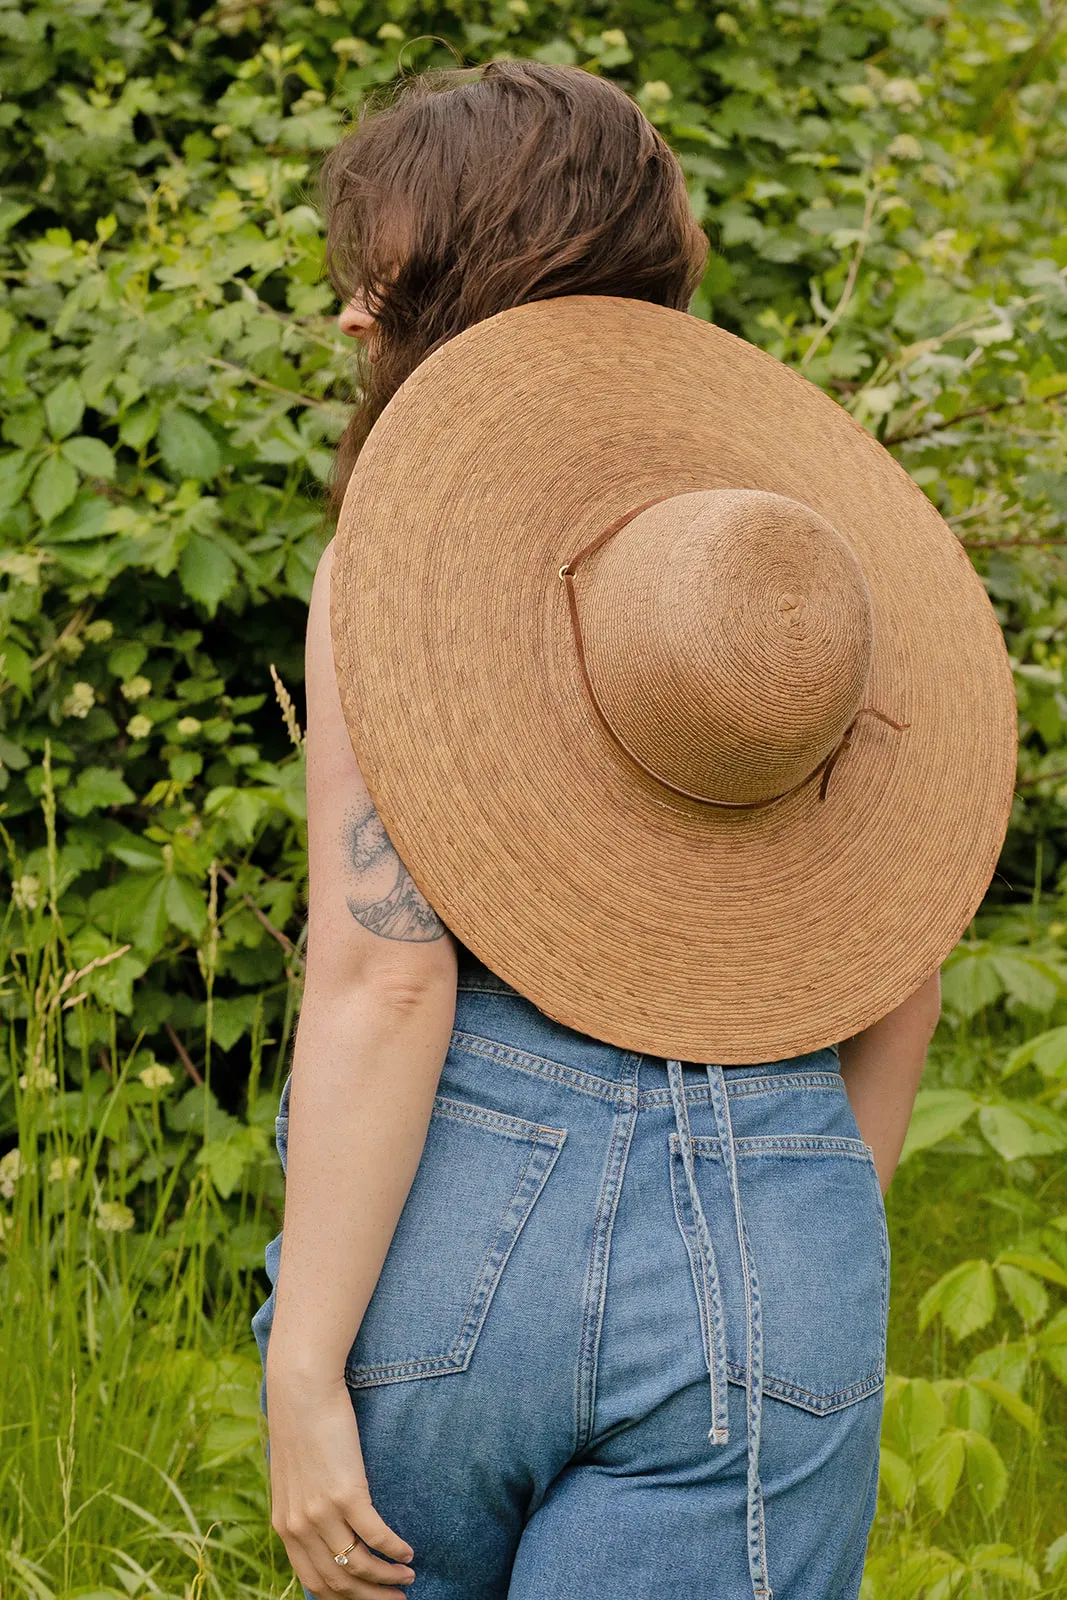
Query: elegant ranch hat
{"x": 680, "y": 702}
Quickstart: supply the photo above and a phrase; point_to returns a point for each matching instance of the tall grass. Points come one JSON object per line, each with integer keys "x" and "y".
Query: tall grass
{"x": 131, "y": 1441}
{"x": 133, "y": 1216}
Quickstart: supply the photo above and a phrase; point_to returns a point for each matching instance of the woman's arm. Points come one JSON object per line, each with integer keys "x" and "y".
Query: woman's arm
{"x": 882, "y": 1067}
{"x": 375, "y": 1022}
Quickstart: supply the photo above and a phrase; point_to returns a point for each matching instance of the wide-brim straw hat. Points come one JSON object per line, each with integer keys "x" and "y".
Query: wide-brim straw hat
{"x": 601, "y": 564}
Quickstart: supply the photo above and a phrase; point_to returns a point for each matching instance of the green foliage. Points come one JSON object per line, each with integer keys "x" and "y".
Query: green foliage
{"x": 883, "y": 182}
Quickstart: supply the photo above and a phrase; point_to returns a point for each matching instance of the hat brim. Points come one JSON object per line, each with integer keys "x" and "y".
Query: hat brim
{"x": 618, "y": 908}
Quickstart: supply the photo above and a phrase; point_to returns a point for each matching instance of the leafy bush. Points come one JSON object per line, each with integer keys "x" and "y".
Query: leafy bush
{"x": 884, "y": 184}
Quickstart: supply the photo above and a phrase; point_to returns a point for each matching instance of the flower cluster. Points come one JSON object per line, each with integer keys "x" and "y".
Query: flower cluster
{"x": 156, "y": 1076}
{"x": 114, "y": 1217}
{"x": 79, "y": 701}
{"x": 12, "y": 1168}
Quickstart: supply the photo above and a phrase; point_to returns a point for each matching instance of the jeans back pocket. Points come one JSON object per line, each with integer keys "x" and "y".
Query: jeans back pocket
{"x": 480, "y": 1174}
{"x": 817, "y": 1230}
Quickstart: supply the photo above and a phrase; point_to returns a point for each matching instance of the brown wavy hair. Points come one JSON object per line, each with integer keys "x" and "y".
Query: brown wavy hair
{"x": 472, "y": 189}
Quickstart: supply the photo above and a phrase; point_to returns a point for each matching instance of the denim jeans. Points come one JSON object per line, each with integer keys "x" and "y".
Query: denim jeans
{"x": 629, "y": 1338}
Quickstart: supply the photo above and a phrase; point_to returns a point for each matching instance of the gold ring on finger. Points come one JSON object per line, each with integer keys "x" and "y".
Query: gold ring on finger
{"x": 342, "y": 1558}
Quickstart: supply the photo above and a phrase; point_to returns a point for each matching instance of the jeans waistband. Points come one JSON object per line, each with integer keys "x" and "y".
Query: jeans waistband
{"x": 474, "y": 974}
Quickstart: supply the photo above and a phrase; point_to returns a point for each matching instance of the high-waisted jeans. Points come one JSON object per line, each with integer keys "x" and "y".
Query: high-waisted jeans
{"x": 629, "y": 1338}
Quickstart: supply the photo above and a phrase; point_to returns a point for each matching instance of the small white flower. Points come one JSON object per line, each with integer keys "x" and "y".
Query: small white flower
{"x": 39, "y": 1079}
{"x": 24, "y": 892}
{"x": 139, "y": 727}
{"x": 137, "y": 688}
{"x": 905, "y": 147}
{"x": 187, "y": 726}
{"x": 63, "y": 1168}
{"x": 614, "y": 38}
{"x": 156, "y": 1076}
{"x": 115, "y": 1217}
{"x": 6, "y": 1225}
{"x": 656, "y": 93}
{"x": 79, "y": 701}
{"x": 12, "y": 1168}
{"x": 99, "y": 632}
{"x": 903, "y": 92}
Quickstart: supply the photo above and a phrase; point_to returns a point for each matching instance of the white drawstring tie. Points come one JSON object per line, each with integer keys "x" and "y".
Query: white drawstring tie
{"x": 719, "y": 1433}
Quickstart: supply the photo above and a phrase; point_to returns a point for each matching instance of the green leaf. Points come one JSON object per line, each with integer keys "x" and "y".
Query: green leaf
{"x": 940, "y": 1468}
{"x": 206, "y": 572}
{"x": 94, "y": 788}
{"x": 1004, "y": 1562}
{"x": 186, "y": 906}
{"x": 64, "y": 407}
{"x": 1047, "y": 1051}
{"x": 12, "y": 756}
{"x": 199, "y": 1111}
{"x": 113, "y": 985}
{"x": 1022, "y": 1130}
{"x": 1010, "y": 1402}
{"x": 145, "y": 912}
{"x": 1031, "y": 982}
{"x": 937, "y": 1115}
{"x": 91, "y": 456}
{"x": 970, "y": 982}
{"x": 140, "y": 854}
{"x": 1043, "y": 1266}
{"x": 919, "y": 1413}
{"x": 14, "y": 666}
{"x": 965, "y": 1298}
{"x": 1056, "y": 1555}
{"x": 232, "y": 1017}
{"x": 187, "y": 446}
{"x": 896, "y": 1477}
{"x": 54, "y": 487}
{"x": 227, "y": 1439}
{"x": 139, "y": 425}
{"x": 227, "y": 1158}
{"x": 1052, "y": 1344}
{"x": 986, "y": 1472}
{"x": 1026, "y": 1293}
{"x": 1007, "y": 1364}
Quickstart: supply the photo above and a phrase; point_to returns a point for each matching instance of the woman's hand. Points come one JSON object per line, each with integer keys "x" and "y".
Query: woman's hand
{"x": 319, "y": 1495}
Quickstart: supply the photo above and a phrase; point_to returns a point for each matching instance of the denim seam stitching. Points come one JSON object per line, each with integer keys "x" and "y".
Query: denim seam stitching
{"x": 508, "y": 1126}
{"x": 542, "y": 1067}
{"x": 752, "y": 1086}
{"x": 781, "y": 1144}
{"x": 622, "y": 1132}
{"x": 698, "y": 1095}
{"x": 782, "y": 1389}
{"x": 504, "y": 1123}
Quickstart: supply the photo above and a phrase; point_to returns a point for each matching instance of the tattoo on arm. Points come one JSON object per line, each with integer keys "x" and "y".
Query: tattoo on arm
{"x": 384, "y": 897}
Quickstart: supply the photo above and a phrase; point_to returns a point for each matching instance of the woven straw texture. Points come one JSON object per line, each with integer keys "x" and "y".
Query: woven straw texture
{"x": 641, "y": 918}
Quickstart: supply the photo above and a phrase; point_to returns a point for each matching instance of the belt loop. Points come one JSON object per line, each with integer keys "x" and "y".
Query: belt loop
{"x": 757, "y": 1533}
{"x": 719, "y": 1432}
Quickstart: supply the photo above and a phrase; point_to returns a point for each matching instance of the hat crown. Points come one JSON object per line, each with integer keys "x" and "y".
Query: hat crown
{"x": 729, "y": 634}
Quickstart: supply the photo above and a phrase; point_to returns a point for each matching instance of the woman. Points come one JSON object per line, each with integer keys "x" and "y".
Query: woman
{"x": 559, "y": 1448}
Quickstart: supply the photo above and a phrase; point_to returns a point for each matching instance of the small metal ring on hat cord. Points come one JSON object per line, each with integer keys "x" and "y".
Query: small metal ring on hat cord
{"x": 825, "y": 766}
